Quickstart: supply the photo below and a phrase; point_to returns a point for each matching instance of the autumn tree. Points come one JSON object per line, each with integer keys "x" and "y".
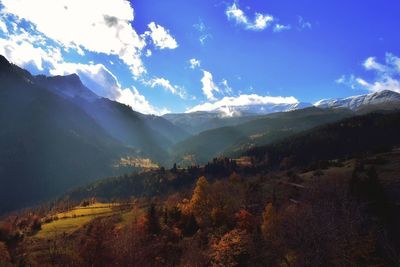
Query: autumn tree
{"x": 226, "y": 198}
{"x": 199, "y": 202}
{"x": 268, "y": 220}
{"x": 246, "y": 221}
{"x": 4, "y": 255}
{"x": 93, "y": 242}
{"x": 233, "y": 249}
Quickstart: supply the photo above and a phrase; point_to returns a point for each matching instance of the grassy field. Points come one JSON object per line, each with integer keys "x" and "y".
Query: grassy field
{"x": 97, "y": 208}
{"x": 72, "y": 220}
{"x": 61, "y": 226}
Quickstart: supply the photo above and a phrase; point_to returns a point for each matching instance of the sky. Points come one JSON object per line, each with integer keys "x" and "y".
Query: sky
{"x": 162, "y": 56}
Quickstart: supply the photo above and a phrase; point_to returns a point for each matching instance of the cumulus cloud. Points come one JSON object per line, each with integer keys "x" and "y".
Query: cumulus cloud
{"x": 138, "y": 102}
{"x": 260, "y": 21}
{"x": 37, "y": 38}
{"x": 243, "y": 100}
{"x": 194, "y": 63}
{"x": 208, "y": 85}
{"x": 166, "y": 84}
{"x": 161, "y": 37}
{"x": 97, "y": 26}
{"x": 22, "y": 50}
{"x": 387, "y": 75}
{"x": 31, "y": 49}
{"x": 385, "y": 83}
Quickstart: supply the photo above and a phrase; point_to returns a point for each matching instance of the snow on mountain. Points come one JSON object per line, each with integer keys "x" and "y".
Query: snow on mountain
{"x": 361, "y": 101}
{"x": 259, "y": 109}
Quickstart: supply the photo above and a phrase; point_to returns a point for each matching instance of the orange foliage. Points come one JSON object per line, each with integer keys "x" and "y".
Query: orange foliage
{"x": 233, "y": 249}
{"x": 246, "y": 221}
{"x": 200, "y": 203}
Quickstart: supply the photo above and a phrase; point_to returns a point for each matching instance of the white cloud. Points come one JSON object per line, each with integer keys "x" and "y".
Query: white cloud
{"x": 166, "y": 84}
{"x": 394, "y": 62}
{"x": 21, "y": 50}
{"x": 350, "y": 81}
{"x": 194, "y": 63}
{"x": 39, "y": 44}
{"x": 3, "y": 26}
{"x": 104, "y": 83}
{"x": 341, "y": 80}
{"x": 161, "y": 37}
{"x": 303, "y": 24}
{"x": 371, "y": 64}
{"x": 281, "y": 27}
{"x": 385, "y": 83}
{"x": 387, "y": 75}
{"x": 97, "y": 26}
{"x": 138, "y": 102}
{"x": 148, "y": 53}
{"x": 260, "y": 22}
{"x": 244, "y": 100}
{"x": 202, "y": 29}
{"x": 228, "y": 90}
{"x": 203, "y": 38}
{"x": 208, "y": 85}
{"x": 95, "y": 76}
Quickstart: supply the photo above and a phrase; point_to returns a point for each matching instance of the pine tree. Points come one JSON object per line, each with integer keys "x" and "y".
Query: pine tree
{"x": 191, "y": 226}
{"x": 153, "y": 222}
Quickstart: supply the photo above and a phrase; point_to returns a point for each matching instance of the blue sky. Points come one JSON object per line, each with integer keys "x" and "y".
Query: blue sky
{"x": 244, "y": 52}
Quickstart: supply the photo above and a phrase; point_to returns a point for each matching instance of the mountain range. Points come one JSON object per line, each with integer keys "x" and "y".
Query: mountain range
{"x": 200, "y": 121}
{"x": 383, "y": 99}
{"x": 57, "y": 134}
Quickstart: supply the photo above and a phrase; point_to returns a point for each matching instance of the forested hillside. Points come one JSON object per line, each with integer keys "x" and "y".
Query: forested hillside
{"x": 234, "y": 140}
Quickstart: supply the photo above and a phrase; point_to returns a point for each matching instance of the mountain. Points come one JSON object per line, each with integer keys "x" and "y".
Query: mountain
{"x": 258, "y": 109}
{"x": 150, "y": 135}
{"x": 196, "y": 122}
{"x": 56, "y": 134}
{"x": 232, "y": 140}
{"x": 343, "y": 139}
{"x": 373, "y": 132}
{"x": 69, "y": 86}
{"x": 199, "y": 121}
{"x": 384, "y": 99}
{"x": 47, "y": 144}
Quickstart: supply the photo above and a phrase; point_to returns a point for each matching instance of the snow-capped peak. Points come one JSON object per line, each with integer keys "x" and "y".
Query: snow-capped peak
{"x": 357, "y": 102}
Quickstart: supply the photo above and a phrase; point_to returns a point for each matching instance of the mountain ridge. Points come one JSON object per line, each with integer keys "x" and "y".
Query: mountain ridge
{"x": 360, "y": 101}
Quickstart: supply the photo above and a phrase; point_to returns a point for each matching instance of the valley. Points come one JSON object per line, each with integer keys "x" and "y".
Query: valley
{"x": 297, "y": 198}
{"x": 106, "y": 185}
